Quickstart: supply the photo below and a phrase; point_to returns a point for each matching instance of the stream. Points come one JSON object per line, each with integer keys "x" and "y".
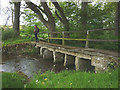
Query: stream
{"x": 28, "y": 65}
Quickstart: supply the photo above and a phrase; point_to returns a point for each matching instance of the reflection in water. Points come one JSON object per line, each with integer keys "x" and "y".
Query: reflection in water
{"x": 28, "y": 65}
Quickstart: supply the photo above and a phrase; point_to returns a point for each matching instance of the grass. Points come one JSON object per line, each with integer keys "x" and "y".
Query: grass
{"x": 9, "y": 37}
{"x": 75, "y": 79}
{"x": 64, "y": 79}
{"x": 12, "y": 80}
{"x": 16, "y": 40}
{"x": 9, "y": 40}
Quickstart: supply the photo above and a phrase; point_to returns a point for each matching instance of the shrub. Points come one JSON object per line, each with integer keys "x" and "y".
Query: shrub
{"x": 28, "y": 30}
{"x": 8, "y": 34}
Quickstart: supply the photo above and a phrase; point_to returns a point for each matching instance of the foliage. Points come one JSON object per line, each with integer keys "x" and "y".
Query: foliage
{"x": 17, "y": 40}
{"x": 103, "y": 35}
{"x": 30, "y": 17}
{"x": 109, "y": 14}
{"x": 71, "y": 10}
{"x": 26, "y": 35}
{"x": 43, "y": 35}
{"x": 101, "y": 15}
{"x": 8, "y": 34}
{"x": 12, "y": 80}
{"x": 28, "y": 30}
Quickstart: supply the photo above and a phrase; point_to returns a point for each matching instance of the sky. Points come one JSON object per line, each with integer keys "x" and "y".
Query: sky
{"x": 3, "y": 4}
{"x": 5, "y": 12}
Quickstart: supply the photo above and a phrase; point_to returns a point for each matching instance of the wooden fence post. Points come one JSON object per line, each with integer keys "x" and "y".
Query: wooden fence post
{"x": 87, "y": 39}
{"x": 63, "y": 42}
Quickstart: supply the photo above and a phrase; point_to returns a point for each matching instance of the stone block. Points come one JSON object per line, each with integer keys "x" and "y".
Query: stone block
{"x": 58, "y": 57}
{"x": 69, "y": 60}
{"x": 47, "y": 55}
{"x": 100, "y": 63}
{"x": 83, "y": 64}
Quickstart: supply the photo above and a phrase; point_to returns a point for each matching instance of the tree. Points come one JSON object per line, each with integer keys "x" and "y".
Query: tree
{"x": 16, "y": 17}
{"x": 117, "y": 19}
{"x": 50, "y": 23}
{"x": 12, "y": 9}
{"x": 62, "y": 16}
{"x": 31, "y": 18}
{"x": 84, "y": 14}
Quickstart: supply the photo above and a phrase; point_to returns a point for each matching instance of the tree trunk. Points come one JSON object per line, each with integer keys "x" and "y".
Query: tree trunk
{"x": 50, "y": 23}
{"x": 84, "y": 15}
{"x": 12, "y": 18}
{"x": 16, "y": 17}
{"x": 51, "y": 20}
{"x": 62, "y": 16}
{"x": 117, "y": 19}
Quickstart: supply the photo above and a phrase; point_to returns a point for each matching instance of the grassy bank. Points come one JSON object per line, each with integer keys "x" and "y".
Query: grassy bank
{"x": 9, "y": 37}
{"x": 65, "y": 79}
{"x": 16, "y": 40}
{"x": 12, "y": 80}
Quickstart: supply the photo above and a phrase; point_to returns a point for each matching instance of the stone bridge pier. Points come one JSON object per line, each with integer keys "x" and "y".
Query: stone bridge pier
{"x": 78, "y": 59}
{"x": 69, "y": 61}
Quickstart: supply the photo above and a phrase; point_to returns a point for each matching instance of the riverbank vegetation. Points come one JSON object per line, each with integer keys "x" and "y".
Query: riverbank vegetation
{"x": 64, "y": 79}
{"x": 9, "y": 37}
{"x": 90, "y": 17}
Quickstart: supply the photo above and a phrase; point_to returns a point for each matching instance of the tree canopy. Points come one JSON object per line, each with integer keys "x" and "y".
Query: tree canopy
{"x": 70, "y": 16}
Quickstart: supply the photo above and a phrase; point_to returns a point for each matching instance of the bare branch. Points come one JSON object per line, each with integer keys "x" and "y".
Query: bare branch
{"x": 33, "y": 7}
{"x": 47, "y": 11}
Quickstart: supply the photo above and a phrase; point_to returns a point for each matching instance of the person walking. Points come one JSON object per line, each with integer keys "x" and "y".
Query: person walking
{"x": 36, "y": 31}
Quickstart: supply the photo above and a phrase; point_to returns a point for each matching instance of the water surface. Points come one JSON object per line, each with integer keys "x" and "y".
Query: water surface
{"x": 25, "y": 64}
{"x": 29, "y": 64}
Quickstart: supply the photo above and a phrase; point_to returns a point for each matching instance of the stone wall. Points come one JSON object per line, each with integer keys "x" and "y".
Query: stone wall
{"x": 17, "y": 49}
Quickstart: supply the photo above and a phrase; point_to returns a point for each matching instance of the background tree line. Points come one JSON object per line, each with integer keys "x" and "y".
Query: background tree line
{"x": 84, "y": 14}
{"x": 71, "y": 16}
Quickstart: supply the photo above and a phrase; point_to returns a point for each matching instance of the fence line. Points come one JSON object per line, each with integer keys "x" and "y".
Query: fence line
{"x": 78, "y": 39}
